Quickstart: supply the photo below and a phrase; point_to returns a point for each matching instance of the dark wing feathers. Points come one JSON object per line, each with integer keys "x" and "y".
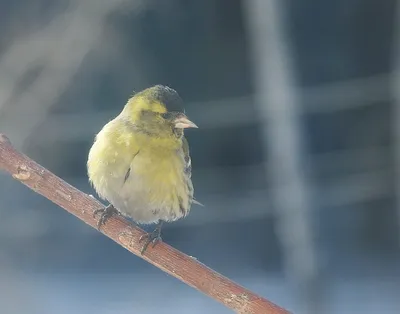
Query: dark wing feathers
{"x": 188, "y": 164}
{"x": 188, "y": 161}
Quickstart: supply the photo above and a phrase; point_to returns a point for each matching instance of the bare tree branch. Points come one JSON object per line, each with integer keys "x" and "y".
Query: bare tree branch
{"x": 163, "y": 256}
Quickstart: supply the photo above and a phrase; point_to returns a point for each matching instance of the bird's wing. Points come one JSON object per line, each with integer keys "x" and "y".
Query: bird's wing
{"x": 188, "y": 163}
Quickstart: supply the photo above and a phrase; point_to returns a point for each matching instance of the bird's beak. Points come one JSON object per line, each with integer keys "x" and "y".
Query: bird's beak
{"x": 183, "y": 123}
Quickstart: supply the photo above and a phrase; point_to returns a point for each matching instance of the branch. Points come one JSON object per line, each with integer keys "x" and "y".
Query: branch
{"x": 163, "y": 256}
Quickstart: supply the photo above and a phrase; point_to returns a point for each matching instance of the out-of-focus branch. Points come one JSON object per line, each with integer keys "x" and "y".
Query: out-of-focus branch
{"x": 77, "y": 30}
{"x": 163, "y": 256}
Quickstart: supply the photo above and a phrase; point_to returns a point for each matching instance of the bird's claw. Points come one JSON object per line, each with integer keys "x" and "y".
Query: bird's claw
{"x": 151, "y": 237}
{"x": 105, "y": 213}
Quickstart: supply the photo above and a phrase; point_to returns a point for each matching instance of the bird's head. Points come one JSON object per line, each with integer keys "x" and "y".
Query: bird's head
{"x": 157, "y": 111}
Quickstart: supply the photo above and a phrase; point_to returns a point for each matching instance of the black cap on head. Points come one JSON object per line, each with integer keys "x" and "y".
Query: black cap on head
{"x": 167, "y": 96}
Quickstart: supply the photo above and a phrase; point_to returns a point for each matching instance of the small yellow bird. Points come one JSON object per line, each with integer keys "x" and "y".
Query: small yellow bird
{"x": 140, "y": 161}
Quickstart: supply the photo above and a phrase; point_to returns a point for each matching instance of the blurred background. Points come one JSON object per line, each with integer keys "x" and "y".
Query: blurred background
{"x": 297, "y": 158}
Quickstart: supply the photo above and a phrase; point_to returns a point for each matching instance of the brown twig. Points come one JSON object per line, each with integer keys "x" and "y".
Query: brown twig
{"x": 163, "y": 256}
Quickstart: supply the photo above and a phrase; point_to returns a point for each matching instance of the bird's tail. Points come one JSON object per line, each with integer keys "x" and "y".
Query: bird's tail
{"x": 197, "y": 202}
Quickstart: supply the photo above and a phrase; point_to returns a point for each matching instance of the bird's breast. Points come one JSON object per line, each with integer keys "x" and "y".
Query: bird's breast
{"x": 157, "y": 186}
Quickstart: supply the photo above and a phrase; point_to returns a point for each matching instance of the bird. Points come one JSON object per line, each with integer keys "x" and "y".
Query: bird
{"x": 140, "y": 162}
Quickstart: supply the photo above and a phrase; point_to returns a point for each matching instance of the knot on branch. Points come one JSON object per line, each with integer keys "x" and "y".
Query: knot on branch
{"x": 22, "y": 173}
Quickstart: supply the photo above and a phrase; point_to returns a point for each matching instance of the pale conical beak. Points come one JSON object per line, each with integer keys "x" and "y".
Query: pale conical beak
{"x": 183, "y": 123}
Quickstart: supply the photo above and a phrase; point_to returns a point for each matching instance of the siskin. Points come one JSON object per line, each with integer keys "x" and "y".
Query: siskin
{"x": 140, "y": 162}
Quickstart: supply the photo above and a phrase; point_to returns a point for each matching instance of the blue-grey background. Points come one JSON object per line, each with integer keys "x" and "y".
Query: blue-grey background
{"x": 297, "y": 157}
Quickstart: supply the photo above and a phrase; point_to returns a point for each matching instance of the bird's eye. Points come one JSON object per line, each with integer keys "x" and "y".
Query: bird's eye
{"x": 166, "y": 115}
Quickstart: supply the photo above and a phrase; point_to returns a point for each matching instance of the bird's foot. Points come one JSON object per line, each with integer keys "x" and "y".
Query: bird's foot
{"x": 151, "y": 237}
{"x": 105, "y": 213}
